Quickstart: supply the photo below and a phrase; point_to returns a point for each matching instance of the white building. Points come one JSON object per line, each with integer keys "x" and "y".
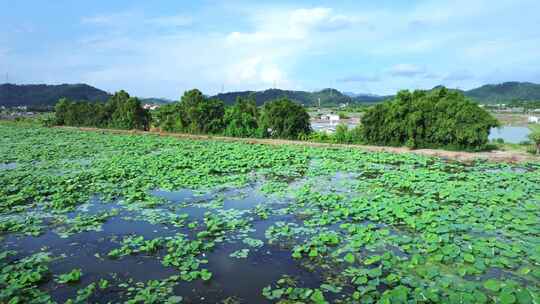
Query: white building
{"x": 534, "y": 119}
{"x": 330, "y": 117}
{"x": 148, "y": 106}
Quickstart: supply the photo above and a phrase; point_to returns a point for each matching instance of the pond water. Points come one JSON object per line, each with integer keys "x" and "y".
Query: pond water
{"x": 348, "y": 219}
{"x": 8, "y": 166}
{"x": 510, "y": 134}
{"x": 328, "y": 127}
{"x": 237, "y": 278}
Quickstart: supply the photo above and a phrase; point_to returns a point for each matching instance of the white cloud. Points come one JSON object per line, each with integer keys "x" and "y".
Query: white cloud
{"x": 304, "y": 20}
{"x": 406, "y": 70}
{"x": 253, "y": 46}
{"x": 293, "y": 25}
{"x": 254, "y": 59}
{"x": 254, "y": 72}
{"x": 267, "y": 52}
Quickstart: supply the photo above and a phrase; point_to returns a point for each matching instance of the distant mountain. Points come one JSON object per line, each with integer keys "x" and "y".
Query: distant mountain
{"x": 327, "y": 97}
{"x": 47, "y": 95}
{"x": 367, "y": 98}
{"x": 490, "y": 93}
{"x": 505, "y": 92}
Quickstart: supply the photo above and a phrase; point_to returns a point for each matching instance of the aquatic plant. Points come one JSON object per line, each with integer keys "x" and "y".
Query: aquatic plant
{"x": 368, "y": 227}
{"x": 134, "y": 245}
{"x": 70, "y": 277}
{"x": 183, "y": 254}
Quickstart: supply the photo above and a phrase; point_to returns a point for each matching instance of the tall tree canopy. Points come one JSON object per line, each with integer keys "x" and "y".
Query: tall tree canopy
{"x": 438, "y": 118}
{"x": 127, "y": 112}
{"x": 121, "y": 112}
{"x": 241, "y": 119}
{"x": 285, "y": 119}
{"x": 195, "y": 113}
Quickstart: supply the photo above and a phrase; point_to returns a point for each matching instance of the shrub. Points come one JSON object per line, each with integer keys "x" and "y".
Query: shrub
{"x": 343, "y": 115}
{"x": 342, "y": 134}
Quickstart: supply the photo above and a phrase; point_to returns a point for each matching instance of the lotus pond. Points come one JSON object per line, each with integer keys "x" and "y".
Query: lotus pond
{"x": 91, "y": 217}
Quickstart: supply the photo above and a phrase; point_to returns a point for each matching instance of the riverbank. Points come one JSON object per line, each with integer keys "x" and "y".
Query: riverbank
{"x": 511, "y": 119}
{"x": 493, "y": 156}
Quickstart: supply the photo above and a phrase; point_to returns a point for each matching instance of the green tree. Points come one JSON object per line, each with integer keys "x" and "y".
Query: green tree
{"x": 61, "y": 108}
{"x": 169, "y": 117}
{"x": 193, "y": 114}
{"x": 189, "y": 110}
{"x": 535, "y": 138}
{"x": 121, "y": 111}
{"x": 438, "y": 118}
{"x": 199, "y": 114}
{"x": 127, "y": 112}
{"x": 241, "y": 120}
{"x": 208, "y": 117}
{"x": 283, "y": 118}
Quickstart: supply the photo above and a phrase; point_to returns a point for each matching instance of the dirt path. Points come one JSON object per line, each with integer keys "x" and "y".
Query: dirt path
{"x": 495, "y": 156}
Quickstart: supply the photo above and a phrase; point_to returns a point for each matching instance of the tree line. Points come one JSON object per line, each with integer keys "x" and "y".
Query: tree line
{"x": 198, "y": 114}
{"x": 195, "y": 113}
{"x": 419, "y": 119}
{"x": 121, "y": 111}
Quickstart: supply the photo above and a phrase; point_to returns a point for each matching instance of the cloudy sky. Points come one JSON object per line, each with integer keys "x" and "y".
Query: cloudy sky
{"x": 162, "y": 48}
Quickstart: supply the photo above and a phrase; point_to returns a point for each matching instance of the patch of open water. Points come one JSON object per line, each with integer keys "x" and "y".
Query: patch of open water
{"x": 242, "y": 279}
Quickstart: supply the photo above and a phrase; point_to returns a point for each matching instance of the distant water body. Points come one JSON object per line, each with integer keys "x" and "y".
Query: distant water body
{"x": 510, "y": 134}
{"x": 513, "y": 135}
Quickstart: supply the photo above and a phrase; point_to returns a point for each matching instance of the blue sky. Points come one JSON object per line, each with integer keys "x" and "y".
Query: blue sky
{"x": 162, "y": 48}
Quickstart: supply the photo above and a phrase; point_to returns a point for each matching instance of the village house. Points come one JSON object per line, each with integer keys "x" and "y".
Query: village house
{"x": 148, "y": 106}
{"x": 330, "y": 117}
{"x": 533, "y": 119}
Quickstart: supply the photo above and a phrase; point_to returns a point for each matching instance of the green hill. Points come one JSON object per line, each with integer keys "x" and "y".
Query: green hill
{"x": 328, "y": 97}
{"x": 505, "y": 92}
{"x": 494, "y": 93}
{"x": 47, "y": 95}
